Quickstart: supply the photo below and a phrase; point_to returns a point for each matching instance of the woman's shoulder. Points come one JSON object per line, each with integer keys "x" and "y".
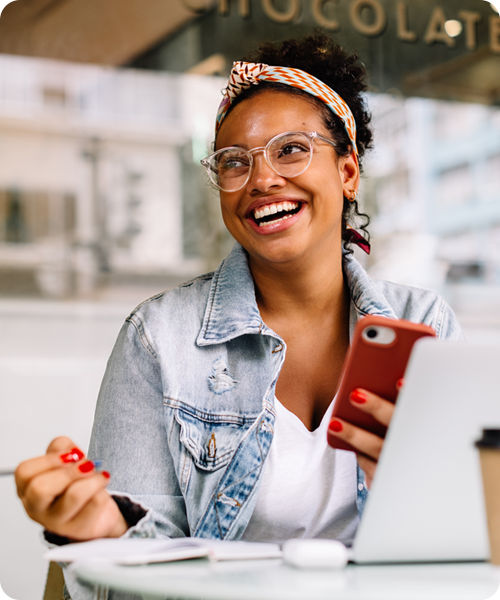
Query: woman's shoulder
{"x": 420, "y": 305}
{"x": 395, "y": 300}
{"x": 405, "y": 298}
{"x": 177, "y": 302}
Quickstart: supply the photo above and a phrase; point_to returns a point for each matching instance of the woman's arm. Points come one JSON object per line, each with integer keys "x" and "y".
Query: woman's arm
{"x": 130, "y": 437}
{"x": 64, "y": 493}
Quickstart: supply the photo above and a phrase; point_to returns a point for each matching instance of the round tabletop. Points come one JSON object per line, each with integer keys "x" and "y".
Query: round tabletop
{"x": 271, "y": 579}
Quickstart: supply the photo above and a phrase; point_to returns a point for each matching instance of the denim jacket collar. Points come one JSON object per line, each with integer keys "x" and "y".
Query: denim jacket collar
{"x": 232, "y": 307}
{"x": 365, "y": 297}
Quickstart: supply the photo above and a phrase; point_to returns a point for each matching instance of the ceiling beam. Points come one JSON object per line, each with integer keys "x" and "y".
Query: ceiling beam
{"x": 93, "y": 31}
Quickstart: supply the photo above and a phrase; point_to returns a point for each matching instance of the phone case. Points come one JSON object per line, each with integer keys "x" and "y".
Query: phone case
{"x": 376, "y": 363}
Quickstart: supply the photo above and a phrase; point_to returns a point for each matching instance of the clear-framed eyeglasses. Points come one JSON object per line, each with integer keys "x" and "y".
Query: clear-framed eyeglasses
{"x": 289, "y": 154}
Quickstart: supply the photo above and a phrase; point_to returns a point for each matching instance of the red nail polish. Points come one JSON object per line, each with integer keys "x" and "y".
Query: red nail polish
{"x": 335, "y": 426}
{"x": 74, "y": 455}
{"x": 400, "y": 383}
{"x": 358, "y": 396}
{"x": 105, "y": 474}
{"x": 86, "y": 467}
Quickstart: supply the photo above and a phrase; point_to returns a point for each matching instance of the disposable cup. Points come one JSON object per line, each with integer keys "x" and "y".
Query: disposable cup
{"x": 489, "y": 452}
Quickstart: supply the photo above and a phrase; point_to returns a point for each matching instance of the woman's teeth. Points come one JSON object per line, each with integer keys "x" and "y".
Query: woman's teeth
{"x": 276, "y": 220}
{"x": 274, "y": 209}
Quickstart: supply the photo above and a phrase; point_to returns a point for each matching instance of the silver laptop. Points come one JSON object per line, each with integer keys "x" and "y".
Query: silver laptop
{"x": 426, "y": 501}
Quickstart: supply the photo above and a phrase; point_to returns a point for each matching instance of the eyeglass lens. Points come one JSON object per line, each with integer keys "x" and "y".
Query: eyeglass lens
{"x": 289, "y": 155}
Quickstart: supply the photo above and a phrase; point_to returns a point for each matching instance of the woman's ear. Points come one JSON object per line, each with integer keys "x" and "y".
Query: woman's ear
{"x": 349, "y": 173}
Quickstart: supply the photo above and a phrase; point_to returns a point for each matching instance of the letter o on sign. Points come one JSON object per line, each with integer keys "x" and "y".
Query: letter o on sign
{"x": 379, "y": 22}
{"x": 321, "y": 19}
{"x": 277, "y": 16}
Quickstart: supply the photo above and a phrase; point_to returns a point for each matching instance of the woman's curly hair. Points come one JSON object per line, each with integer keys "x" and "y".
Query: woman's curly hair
{"x": 319, "y": 56}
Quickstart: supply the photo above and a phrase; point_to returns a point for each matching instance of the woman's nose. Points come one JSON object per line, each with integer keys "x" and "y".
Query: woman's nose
{"x": 262, "y": 175}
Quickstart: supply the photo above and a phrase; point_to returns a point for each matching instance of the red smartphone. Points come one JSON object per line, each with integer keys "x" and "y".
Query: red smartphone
{"x": 376, "y": 361}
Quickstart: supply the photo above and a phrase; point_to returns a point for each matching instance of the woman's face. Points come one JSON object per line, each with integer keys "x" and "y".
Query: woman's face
{"x": 318, "y": 192}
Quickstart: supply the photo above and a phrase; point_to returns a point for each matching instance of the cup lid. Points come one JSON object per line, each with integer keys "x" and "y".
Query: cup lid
{"x": 490, "y": 439}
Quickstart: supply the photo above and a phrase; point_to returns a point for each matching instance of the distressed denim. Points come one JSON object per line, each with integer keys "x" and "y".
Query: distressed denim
{"x": 185, "y": 415}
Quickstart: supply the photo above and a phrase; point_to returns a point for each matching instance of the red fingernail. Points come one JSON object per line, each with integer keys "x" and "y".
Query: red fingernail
{"x": 105, "y": 474}
{"x": 358, "y": 396}
{"x": 400, "y": 383}
{"x": 74, "y": 455}
{"x": 335, "y": 425}
{"x": 86, "y": 467}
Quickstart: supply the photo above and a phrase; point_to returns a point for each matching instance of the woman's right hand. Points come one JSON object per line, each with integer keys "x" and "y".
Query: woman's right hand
{"x": 63, "y": 492}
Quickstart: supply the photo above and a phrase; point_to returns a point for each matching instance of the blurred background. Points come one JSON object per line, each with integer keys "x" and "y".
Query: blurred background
{"x": 107, "y": 106}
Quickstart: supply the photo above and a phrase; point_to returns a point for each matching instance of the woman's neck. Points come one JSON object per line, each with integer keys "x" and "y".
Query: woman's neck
{"x": 307, "y": 305}
{"x": 305, "y": 291}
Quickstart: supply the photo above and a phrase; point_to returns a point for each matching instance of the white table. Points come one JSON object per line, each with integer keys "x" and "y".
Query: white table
{"x": 273, "y": 580}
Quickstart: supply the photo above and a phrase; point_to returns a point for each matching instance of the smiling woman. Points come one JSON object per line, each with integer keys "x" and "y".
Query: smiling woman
{"x": 213, "y": 413}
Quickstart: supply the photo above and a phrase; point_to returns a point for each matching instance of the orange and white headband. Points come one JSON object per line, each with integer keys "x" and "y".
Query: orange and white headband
{"x": 244, "y": 74}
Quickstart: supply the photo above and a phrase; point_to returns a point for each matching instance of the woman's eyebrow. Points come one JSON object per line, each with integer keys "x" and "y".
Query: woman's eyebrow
{"x": 242, "y": 146}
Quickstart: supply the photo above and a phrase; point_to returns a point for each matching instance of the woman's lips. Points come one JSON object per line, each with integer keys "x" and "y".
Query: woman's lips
{"x": 281, "y": 210}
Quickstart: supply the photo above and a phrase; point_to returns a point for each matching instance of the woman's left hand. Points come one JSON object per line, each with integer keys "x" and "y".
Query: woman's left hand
{"x": 368, "y": 445}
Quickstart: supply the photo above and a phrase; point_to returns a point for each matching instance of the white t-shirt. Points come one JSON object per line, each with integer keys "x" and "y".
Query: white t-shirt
{"x": 308, "y": 489}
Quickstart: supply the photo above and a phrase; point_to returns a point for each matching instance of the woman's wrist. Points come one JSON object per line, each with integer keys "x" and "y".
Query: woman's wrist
{"x": 131, "y": 513}
{"x": 120, "y": 527}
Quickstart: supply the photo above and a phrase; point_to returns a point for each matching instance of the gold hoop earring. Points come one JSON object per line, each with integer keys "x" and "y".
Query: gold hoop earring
{"x": 353, "y": 195}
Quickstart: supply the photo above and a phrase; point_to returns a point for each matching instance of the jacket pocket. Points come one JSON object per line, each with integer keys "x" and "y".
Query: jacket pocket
{"x": 211, "y": 441}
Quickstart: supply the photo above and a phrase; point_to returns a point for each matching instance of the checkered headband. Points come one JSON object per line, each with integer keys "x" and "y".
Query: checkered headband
{"x": 244, "y": 74}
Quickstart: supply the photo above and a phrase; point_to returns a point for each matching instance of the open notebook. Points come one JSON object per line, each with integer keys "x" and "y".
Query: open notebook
{"x": 138, "y": 551}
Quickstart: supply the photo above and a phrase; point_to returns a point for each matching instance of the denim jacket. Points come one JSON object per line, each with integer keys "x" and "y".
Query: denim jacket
{"x": 185, "y": 415}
